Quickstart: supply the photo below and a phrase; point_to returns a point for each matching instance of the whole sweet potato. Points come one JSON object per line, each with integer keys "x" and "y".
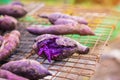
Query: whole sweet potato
{"x": 54, "y": 16}
{"x": 16, "y": 11}
{"x": 80, "y": 29}
{"x": 55, "y": 47}
{"x": 30, "y": 69}
{"x": 10, "y": 76}
{"x": 9, "y": 44}
{"x": 7, "y": 23}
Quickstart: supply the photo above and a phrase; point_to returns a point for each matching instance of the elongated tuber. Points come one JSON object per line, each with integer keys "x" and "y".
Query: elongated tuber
{"x": 54, "y": 16}
{"x": 80, "y": 29}
{"x": 9, "y": 44}
{"x": 55, "y": 47}
{"x": 27, "y": 68}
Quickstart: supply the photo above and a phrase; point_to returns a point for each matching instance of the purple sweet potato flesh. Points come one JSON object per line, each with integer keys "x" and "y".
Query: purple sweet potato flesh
{"x": 55, "y": 47}
{"x": 9, "y": 44}
{"x": 10, "y": 76}
{"x": 80, "y": 29}
{"x": 7, "y": 23}
{"x": 16, "y": 11}
{"x": 54, "y": 16}
{"x": 27, "y": 68}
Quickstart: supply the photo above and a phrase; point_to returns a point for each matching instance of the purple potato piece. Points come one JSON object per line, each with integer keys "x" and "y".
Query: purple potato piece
{"x": 16, "y": 11}
{"x": 54, "y": 16}
{"x": 10, "y": 76}
{"x": 80, "y": 29}
{"x": 9, "y": 44}
{"x": 55, "y": 47}
{"x": 65, "y": 21}
{"x": 7, "y": 23}
{"x": 27, "y": 68}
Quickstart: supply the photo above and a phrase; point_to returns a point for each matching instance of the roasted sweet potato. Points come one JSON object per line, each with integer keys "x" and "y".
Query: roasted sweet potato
{"x": 9, "y": 44}
{"x": 80, "y": 29}
{"x": 54, "y": 16}
{"x": 55, "y": 47}
{"x": 30, "y": 69}
{"x": 7, "y": 23}
{"x": 16, "y": 11}
{"x": 10, "y": 76}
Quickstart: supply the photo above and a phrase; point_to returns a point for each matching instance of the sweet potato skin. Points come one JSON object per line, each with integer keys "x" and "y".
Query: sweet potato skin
{"x": 16, "y": 11}
{"x": 65, "y": 21}
{"x": 9, "y": 44}
{"x": 80, "y": 29}
{"x": 30, "y": 69}
{"x": 10, "y": 76}
{"x": 7, "y": 23}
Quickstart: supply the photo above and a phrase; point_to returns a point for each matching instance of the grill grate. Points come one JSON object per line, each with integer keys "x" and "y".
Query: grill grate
{"x": 77, "y": 67}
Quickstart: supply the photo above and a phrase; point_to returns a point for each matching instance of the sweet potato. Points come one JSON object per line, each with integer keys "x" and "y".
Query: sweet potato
{"x": 54, "y": 16}
{"x": 27, "y": 68}
{"x": 7, "y": 23}
{"x": 9, "y": 44}
{"x": 55, "y": 47}
{"x": 16, "y": 11}
{"x": 10, "y": 76}
{"x": 80, "y": 29}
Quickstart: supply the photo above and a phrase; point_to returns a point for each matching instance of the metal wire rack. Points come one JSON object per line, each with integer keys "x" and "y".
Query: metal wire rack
{"x": 77, "y": 67}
